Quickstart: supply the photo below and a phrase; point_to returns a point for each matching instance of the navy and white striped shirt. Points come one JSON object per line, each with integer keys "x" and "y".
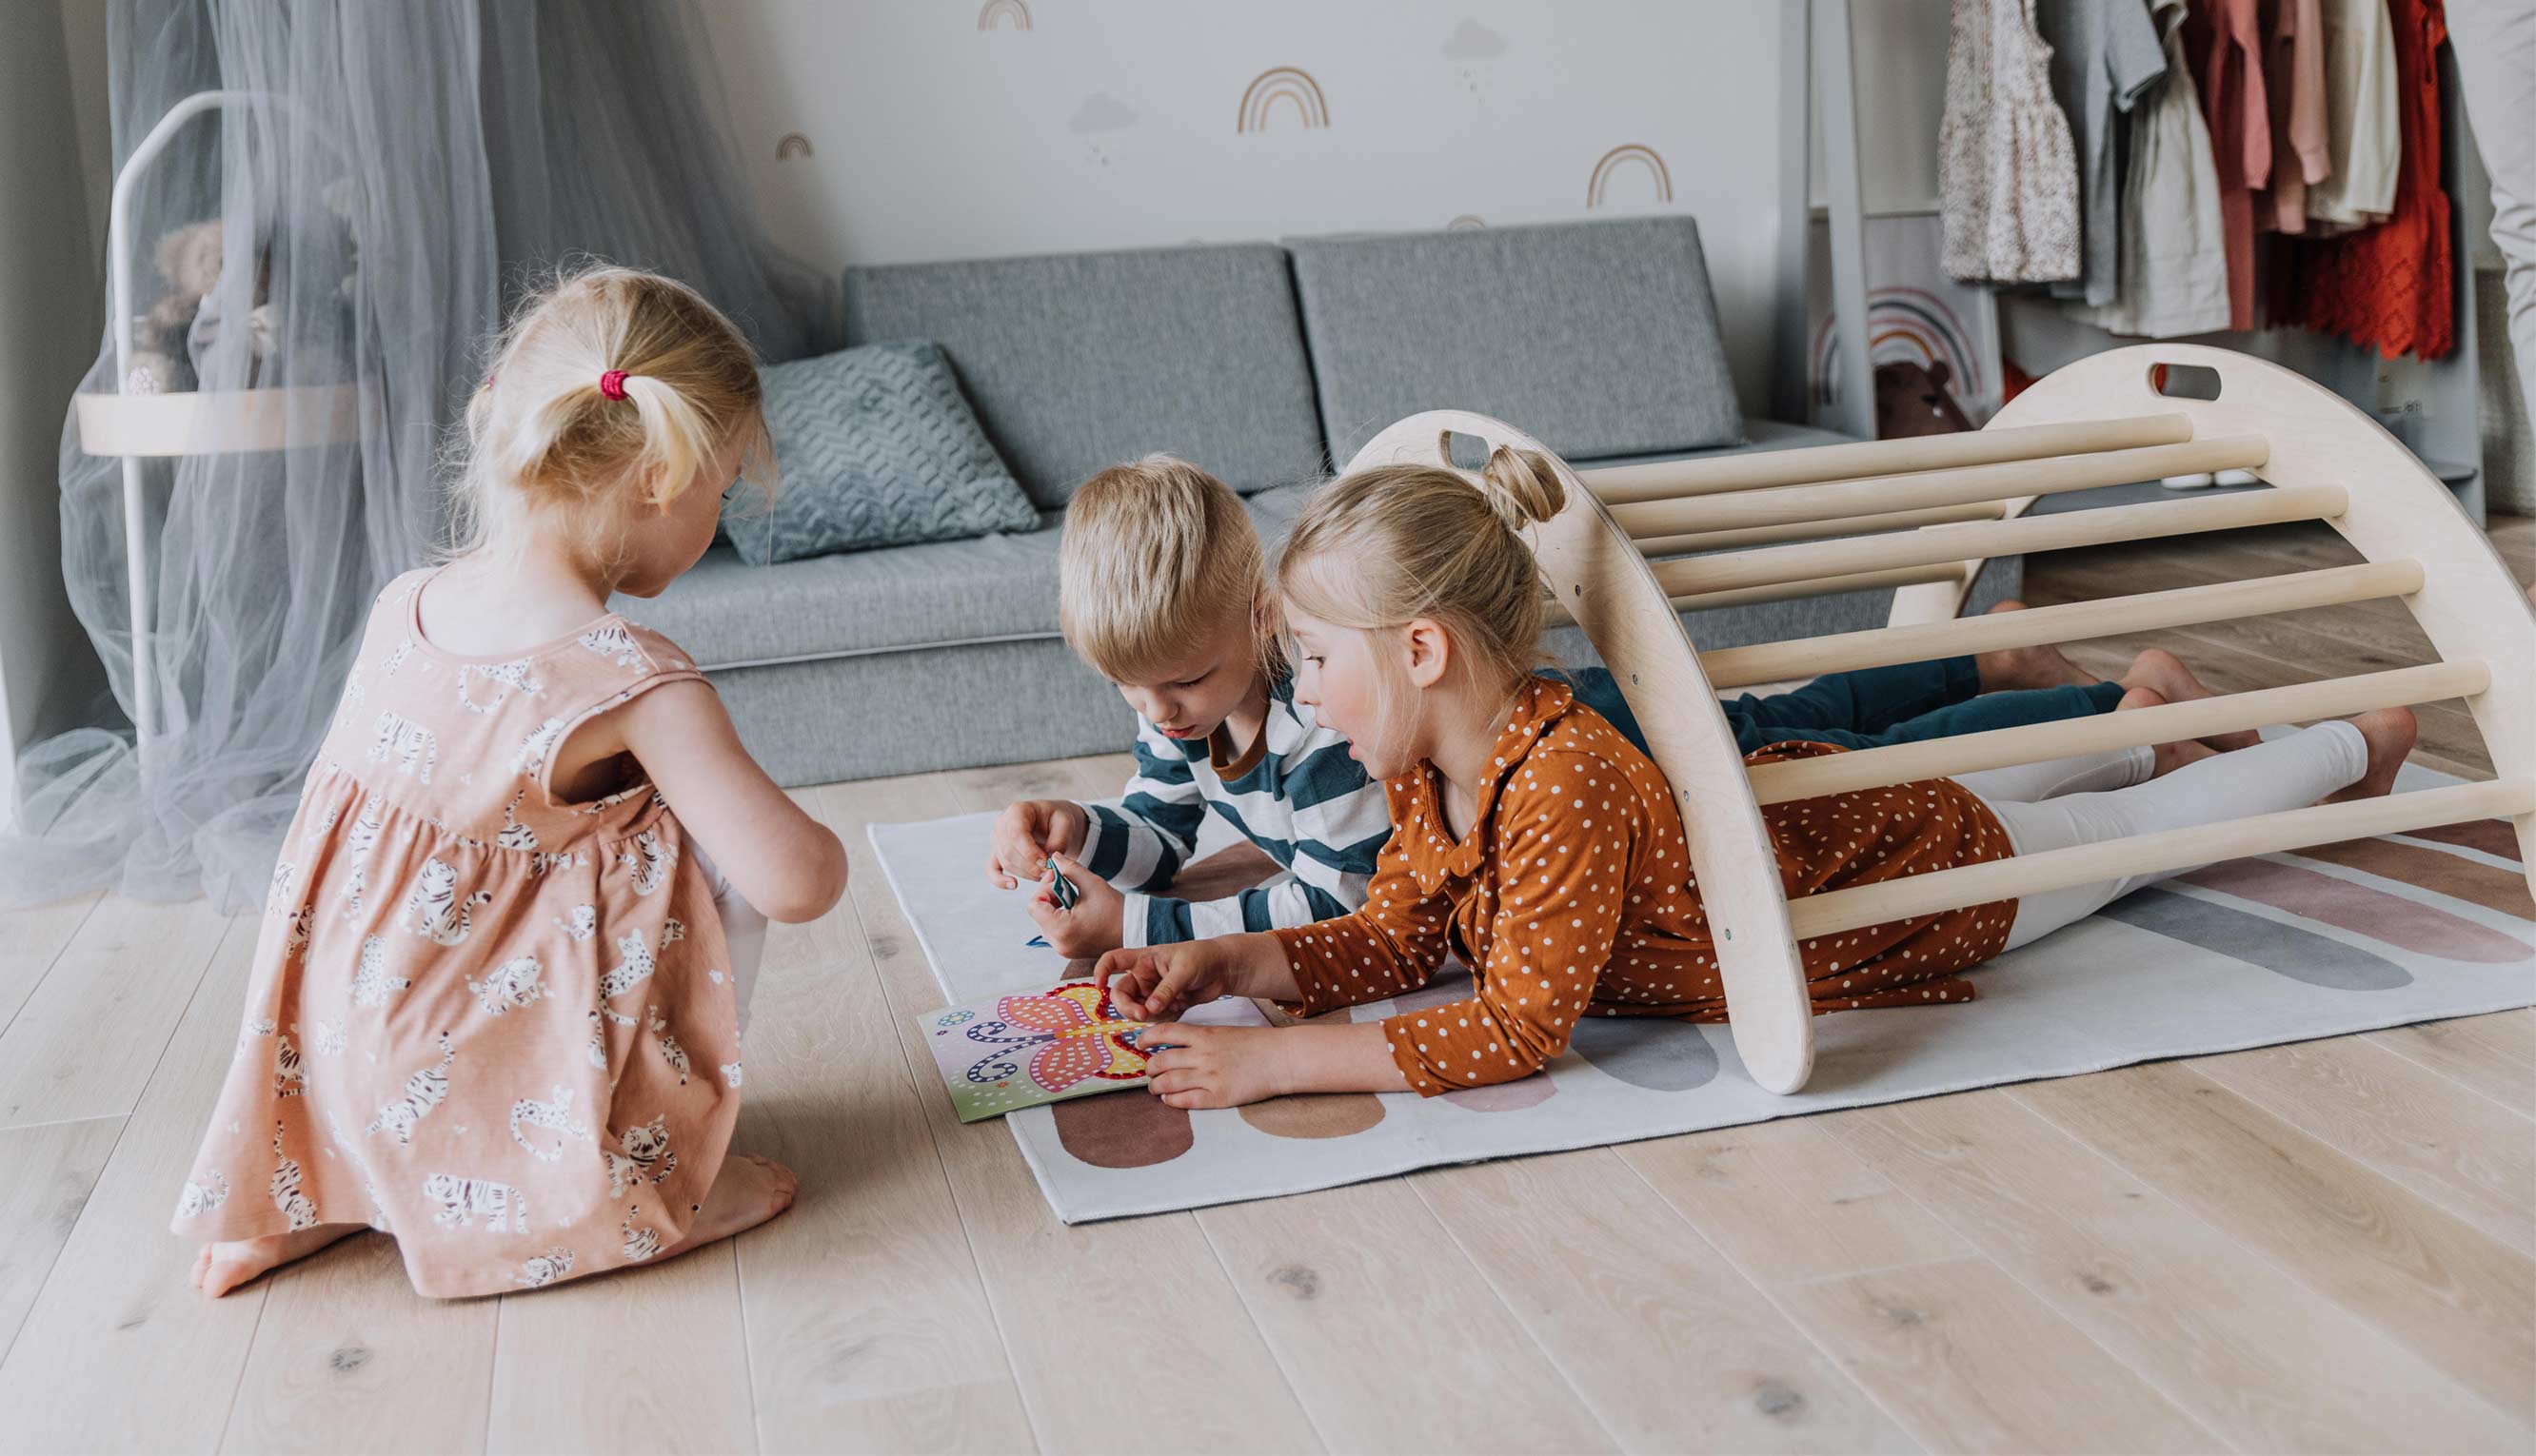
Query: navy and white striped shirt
{"x": 1297, "y": 795}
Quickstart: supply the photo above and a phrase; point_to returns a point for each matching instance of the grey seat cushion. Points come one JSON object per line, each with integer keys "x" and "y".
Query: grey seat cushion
{"x": 1077, "y": 361}
{"x": 1599, "y": 338}
{"x": 728, "y": 614}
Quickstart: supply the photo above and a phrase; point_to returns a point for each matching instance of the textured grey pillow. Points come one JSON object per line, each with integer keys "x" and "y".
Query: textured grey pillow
{"x": 873, "y": 447}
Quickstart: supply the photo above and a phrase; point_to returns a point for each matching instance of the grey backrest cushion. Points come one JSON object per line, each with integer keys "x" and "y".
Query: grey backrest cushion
{"x": 1598, "y": 338}
{"x": 873, "y": 447}
{"x": 1077, "y": 361}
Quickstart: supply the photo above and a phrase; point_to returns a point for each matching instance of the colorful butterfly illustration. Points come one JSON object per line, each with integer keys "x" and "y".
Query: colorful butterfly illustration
{"x": 1066, "y": 1034}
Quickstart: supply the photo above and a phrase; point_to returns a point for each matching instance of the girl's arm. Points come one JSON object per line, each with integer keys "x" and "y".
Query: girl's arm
{"x": 784, "y": 862}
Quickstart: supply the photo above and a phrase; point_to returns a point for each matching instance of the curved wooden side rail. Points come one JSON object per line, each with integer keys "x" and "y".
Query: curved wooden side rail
{"x": 1602, "y": 583}
{"x": 1921, "y": 517}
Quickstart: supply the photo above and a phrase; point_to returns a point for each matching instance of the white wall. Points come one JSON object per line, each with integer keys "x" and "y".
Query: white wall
{"x": 1113, "y": 123}
{"x": 50, "y": 315}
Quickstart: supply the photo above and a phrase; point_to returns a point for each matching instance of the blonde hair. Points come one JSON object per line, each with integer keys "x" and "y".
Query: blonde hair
{"x": 1157, "y": 553}
{"x": 545, "y": 440}
{"x": 1385, "y": 546}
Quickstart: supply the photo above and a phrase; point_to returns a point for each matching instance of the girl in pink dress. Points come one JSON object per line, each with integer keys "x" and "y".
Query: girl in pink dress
{"x": 498, "y": 996}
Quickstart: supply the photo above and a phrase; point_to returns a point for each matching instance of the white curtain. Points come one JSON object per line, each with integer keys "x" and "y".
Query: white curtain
{"x": 352, "y": 229}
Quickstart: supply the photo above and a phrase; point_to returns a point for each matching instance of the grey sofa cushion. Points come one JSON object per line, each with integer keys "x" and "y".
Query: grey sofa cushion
{"x": 1077, "y": 361}
{"x": 726, "y": 613}
{"x": 1599, "y": 338}
{"x": 874, "y": 448}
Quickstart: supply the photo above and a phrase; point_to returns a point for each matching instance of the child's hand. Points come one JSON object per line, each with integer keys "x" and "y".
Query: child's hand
{"x": 1027, "y": 833}
{"x": 1158, "y": 982}
{"x": 1097, "y": 921}
{"x": 1219, "y": 1066}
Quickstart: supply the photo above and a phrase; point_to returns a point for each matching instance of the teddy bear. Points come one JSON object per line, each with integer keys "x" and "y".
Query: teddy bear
{"x": 1913, "y": 400}
{"x": 186, "y": 314}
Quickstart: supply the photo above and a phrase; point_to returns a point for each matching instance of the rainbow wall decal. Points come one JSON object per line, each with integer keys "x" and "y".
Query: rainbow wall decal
{"x": 1281, "y": 84}
{"x": 1005, "y": 15}
{"x": 1466, "y": 221}
{"x": 1620, "y": 156}
{"x": 794, "y": 145}
{"x": 1906, "y": 326}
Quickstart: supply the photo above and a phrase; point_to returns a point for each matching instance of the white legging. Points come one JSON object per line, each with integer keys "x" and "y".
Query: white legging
{"x": 2098, "y": 797}
{"x": 743, "y": 930}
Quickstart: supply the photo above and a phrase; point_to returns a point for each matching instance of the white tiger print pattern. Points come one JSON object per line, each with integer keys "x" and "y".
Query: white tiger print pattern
{"x": 205, "y": 1192}
{"x": 613, "y": 641}
{"x": 533, "y": 750}
{"x": 640, "y": 1243}
{"x": 504, "y": 1209}
{"x": 673, "y": 930}
{"x": 647, "y": 1148}
{"x": 509, "y": 677}
{"x": 650, "y": 861}
{"x": 348, "y": 709}
{"x": 286, "y": 879}
{"x": 583, "y": 924}
{"x": 514, "y": 985}
{"x": 731, "y": 1075}
{"x": 671, "y": 1050}
{"x": 555, "y": 1117}
{"x": 324, "y": 1037}
{"x": 372, "y": 986}
{"x": 414, "y": 747}
{"x": 298, "y": 1210}
{"x": 516, "y": 835}
{"x": 396, "y": 658}
{"x": 424, "y": 1091}
{"x": 290, "y": 1074}
{"x": 597, "y": 1049}
{"x": 545, "y": 1269}
{"x": 435, "y": 911}
{"x": 295, "y": 930}
{"x": 635, "y": 969}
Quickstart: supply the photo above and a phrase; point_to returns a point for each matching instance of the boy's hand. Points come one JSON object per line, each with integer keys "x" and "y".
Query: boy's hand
{"x": 1158, "y": 982}
{"x": 1219, "y": 1066}
{"x": 1029, "y": 831}
{"x": 1097, "y": 921}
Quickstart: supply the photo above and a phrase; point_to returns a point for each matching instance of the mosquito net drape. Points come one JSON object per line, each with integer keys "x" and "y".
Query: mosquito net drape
{"x": 324, "y": 251}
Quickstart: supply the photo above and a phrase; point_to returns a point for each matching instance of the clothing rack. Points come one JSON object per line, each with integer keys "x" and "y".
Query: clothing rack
{"x": 1817, "y": 70}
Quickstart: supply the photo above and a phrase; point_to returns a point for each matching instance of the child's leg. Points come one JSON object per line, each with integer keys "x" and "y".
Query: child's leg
{"x": 744, "y": 931}
{"x": 2082, "y": 772}
{"x": 2007, "y": 709}
{"x": 2284, "y": 774}
{"x": 1859, "y": 703}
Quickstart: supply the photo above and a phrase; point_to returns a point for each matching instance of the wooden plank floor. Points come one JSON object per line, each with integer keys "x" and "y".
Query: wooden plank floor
{"x": 2322, "y": 1247}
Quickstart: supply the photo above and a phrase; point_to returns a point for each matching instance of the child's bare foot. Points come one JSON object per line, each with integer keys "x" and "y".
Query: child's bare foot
{"x": 2163, "y": 672}
{"x": 222, "y": 1267}
{"x": 2014, "y": 669}
{"x": 2169, "y": 756}
{"x": 748, "y": 1191}
{"x": 2391, "y": 733}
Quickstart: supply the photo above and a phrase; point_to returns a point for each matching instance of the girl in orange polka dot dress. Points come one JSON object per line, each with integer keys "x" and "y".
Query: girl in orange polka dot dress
{"x": 1530, "y": 839}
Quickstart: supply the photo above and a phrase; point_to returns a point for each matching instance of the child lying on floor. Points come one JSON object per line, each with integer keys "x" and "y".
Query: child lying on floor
{"x": 1535, "y": 841}
{"x": 1161, "y": 592}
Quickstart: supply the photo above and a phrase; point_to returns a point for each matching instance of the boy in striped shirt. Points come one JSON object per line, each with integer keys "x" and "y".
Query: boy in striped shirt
{"x": 1162, "y": 589}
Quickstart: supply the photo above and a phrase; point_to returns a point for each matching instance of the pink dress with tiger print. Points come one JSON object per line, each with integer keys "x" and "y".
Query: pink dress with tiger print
{"x": 498, "y": 1027}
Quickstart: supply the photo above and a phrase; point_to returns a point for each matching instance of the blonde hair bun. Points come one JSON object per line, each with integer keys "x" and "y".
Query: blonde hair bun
{"x": 1522, "y": 486}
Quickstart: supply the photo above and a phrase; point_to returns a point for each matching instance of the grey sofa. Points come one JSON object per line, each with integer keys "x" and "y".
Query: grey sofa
{"x": 1265, "y": 364}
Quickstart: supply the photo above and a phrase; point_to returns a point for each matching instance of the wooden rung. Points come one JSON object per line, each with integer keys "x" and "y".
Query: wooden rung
{"x": 2225, "y": 601}
{"x": 1918, "y": 895}
{"x": 1840, "y": 499}
{"x": 1980, "y": 540}
{"x": 1938, "y": 758}
{"x": 1864, "y": 580}
{"x": 1762, "y": 468}
{"x": 1761, "y": 536}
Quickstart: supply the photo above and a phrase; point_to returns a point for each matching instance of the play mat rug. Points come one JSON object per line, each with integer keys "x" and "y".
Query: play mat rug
{"x": 2340, "y": 938}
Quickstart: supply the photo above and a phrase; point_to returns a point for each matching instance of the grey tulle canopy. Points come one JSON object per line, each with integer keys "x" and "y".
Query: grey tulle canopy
{"x": 330, "y": 242}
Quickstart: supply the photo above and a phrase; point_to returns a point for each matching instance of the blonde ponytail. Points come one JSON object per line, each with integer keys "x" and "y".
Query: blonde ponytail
{"x": 610, "y": 393}
{"x": 1385, "y": 546}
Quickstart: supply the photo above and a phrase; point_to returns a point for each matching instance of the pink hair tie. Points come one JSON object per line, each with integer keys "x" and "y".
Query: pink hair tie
{"x": 613, "y": 384}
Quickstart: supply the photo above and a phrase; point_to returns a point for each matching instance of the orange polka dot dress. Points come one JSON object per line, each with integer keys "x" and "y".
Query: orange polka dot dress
{"x": 1571, "y": 894}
